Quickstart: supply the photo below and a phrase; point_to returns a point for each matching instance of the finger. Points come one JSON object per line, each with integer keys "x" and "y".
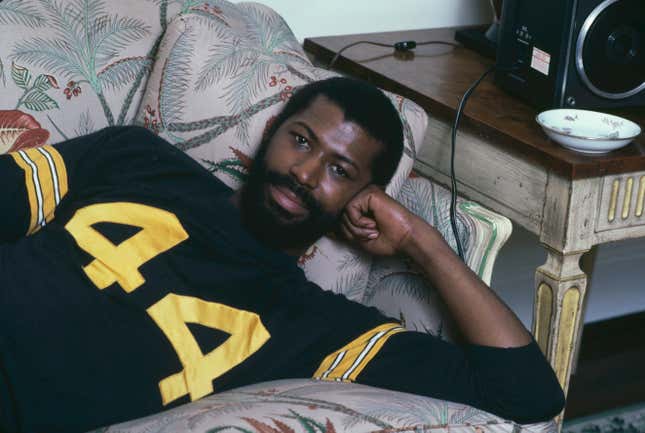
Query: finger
{"x": 356, "y": 239}
{"x": 346, "y": 233}
{"x": 357, "y": 213}
{"x": 365, "y": 233}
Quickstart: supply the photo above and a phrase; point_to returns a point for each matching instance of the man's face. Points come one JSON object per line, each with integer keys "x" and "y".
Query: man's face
{"x": 311, "y": 168}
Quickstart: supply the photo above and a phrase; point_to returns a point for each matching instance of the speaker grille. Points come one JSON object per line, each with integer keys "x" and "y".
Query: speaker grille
{"x": 610, "y": 52}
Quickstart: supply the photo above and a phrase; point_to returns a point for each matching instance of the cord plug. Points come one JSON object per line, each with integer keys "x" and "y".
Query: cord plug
{"x": 405, "y": 45}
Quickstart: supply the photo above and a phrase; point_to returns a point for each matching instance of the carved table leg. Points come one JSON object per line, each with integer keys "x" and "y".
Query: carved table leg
{"x": 567, "y": 233}
{"x": 559, "y": 301}
{"x": 587, "y": 264}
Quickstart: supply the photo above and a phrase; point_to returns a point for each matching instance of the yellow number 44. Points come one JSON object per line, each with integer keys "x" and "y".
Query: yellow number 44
{"x": 160, "y": 231}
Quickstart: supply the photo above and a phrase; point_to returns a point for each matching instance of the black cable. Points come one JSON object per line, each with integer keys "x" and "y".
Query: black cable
{"x": 398, "y": 46}
{"x": 453, "y": 179}
{"x": 452, "y": 44}
{"x": 333, "y": 60}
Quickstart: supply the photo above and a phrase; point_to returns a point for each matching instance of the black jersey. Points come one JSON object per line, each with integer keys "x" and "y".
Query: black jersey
{"x": 128, "y": 286}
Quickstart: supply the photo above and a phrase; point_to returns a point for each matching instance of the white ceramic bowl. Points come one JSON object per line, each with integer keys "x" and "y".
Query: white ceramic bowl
{"x": 587, "y": 131}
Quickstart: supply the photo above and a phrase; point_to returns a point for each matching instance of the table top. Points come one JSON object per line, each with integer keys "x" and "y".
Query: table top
{"x": 436, "y": 77}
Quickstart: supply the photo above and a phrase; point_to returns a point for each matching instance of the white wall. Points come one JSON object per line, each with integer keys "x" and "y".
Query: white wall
{"x": 310, "y": 18}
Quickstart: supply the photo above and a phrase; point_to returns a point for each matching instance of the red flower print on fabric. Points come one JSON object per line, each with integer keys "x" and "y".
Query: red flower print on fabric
{"x": 150, "y": 120}
{"x": 72, "y": 89}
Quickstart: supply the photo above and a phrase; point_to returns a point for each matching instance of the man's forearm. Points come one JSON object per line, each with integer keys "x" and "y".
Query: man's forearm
{"x": 481, "y": 315}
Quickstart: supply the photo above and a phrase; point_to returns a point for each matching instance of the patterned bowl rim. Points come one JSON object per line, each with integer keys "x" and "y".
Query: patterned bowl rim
{"x": 555, "y": 131}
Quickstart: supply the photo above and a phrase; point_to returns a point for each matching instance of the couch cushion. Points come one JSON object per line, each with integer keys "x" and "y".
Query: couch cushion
{"x": 68, "y": 70}
{"x": 304, "y": 405}
{"x": 214, "y": 89}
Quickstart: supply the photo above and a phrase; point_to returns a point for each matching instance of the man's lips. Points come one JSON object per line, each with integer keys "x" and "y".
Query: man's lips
{"x": 288, "y": 200}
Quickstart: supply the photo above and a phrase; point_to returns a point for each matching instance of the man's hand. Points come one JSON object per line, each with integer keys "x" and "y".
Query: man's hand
{"x": 382, "y": 226}
{"x": 378, "y": 223}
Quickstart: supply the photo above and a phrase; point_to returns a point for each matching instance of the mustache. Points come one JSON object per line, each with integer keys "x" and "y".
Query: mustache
{"x": 299, "y": 190}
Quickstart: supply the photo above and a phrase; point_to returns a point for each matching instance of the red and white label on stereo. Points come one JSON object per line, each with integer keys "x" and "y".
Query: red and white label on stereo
{"x": 541, "y": 61}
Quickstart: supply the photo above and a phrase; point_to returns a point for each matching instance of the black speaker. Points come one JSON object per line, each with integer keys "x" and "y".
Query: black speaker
{"x": 573, "y": 53}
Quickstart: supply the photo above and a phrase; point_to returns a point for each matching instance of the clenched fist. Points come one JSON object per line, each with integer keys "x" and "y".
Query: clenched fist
{"x": 378, "y": 223}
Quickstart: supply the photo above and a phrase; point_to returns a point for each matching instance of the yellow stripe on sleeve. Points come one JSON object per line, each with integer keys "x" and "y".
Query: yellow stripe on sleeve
{"x": 31, "y": 191}
{"x": 347, "y": 363}
{"x": 45, "y": 180}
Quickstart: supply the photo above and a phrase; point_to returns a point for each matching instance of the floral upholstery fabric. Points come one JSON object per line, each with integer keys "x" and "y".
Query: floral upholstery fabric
{"x": 68, "y": 68}
{"x": 309, "y": 406}
{"x": 71, "y": 67}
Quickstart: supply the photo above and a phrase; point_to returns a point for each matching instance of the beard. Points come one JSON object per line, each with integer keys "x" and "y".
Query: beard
{"x": 273, "y": 225}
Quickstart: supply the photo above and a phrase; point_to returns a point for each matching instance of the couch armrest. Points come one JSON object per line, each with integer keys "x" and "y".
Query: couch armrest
{"x": 489, "y": 231}
{"x": 399, "y": 290}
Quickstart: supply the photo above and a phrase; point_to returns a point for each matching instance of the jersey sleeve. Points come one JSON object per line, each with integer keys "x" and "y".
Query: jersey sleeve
{"x": 34, "y": 181}
{"x": 514, "y": 383}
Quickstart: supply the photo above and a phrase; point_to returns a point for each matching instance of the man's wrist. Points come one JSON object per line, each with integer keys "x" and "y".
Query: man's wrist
{"x": 419, "y": 244}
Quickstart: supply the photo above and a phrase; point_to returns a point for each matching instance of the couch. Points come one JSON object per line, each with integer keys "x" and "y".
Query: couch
{"x": 209, "y": 76}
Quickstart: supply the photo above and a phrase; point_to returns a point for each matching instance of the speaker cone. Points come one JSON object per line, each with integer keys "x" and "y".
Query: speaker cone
{"x": 610, "y": 52}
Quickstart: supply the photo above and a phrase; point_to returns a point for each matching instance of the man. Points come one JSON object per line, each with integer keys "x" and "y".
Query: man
{"x": 144, "y": 282}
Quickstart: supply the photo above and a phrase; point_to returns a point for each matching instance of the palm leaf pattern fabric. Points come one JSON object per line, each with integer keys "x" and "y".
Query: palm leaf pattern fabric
{"x": 265, "y": 41}
{"x": 309, "y": 406}
{"x": 175, "y": 79}
{"x": 20, "y": 12}
{"x": 240, "y": 57}
{"x": 85, "y": 45}
{"x": 100, "y": 51}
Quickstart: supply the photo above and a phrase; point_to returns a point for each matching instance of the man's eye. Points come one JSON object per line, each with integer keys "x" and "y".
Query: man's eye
{"x": 339, "y": 171}
{"x": 302, "y": 141}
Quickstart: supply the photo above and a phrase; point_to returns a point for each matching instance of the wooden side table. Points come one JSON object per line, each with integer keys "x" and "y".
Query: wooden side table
{"x": 503, "y": 160}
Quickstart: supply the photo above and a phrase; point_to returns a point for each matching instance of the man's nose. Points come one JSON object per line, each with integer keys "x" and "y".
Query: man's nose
{"x": 307, "y": 170}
